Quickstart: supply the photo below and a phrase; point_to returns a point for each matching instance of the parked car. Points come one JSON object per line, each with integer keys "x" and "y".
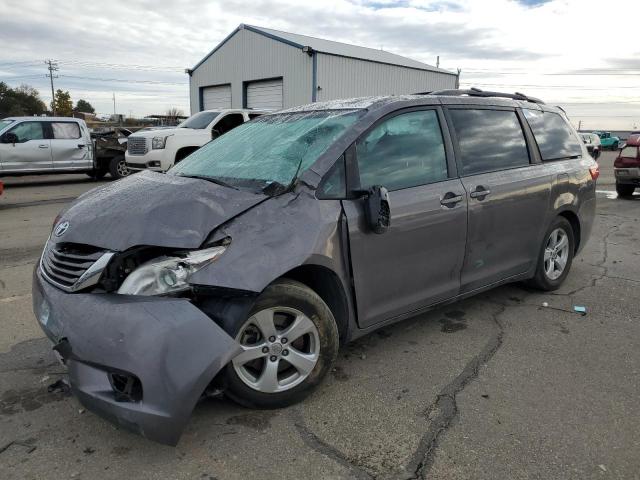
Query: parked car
{"x": 160, "y": 150}
{"x": 627, "y": 167}
{"x": 31, "y": 145}
{"x": 608, "y": 141}
{"x": 592, "y": 141}
{"x": 248, "y": 264}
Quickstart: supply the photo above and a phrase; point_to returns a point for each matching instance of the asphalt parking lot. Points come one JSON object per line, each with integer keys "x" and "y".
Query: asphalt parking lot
{"x": 496, "y": 386}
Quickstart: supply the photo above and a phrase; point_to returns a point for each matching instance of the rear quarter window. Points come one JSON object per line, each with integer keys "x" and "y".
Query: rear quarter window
{"x": 489, "y": 140}
{"x": 554, "y": 137}
{"x": 629, "y": 151}
{"x": 65, "y": 130}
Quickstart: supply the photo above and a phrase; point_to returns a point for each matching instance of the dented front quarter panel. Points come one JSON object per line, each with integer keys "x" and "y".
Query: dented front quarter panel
{"x": 275, "y": 237}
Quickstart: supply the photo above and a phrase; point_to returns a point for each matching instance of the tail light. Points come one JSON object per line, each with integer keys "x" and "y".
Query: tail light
{"x": 595, "y": 172}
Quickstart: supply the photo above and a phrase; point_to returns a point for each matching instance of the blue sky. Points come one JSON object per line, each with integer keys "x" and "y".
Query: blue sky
{"x": 556, "y": 50}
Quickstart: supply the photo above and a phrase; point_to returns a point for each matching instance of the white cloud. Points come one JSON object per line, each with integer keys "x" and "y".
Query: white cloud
{"x": 499, "y": 44}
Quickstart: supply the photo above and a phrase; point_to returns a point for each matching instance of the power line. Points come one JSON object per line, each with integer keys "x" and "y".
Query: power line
{"x": 149, "y": 82}
{"x": 97, "y": 64}
{"x": 8, "y": 64}
{"x": 13, "y": 77}
{"x": 125, "y": 66}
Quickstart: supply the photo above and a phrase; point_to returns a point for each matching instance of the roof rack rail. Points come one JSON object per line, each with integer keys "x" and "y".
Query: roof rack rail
{"x": 476, "y": 92}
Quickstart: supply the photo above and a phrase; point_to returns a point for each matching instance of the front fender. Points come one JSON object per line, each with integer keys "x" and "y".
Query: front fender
{"x": 275, "y": 237}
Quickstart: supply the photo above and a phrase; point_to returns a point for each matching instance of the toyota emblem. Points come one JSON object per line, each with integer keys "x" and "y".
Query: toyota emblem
{"x": 61, "y": 228}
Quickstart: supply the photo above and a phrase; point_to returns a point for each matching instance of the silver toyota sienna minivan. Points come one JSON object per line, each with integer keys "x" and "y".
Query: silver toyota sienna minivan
{"x": 247, "y": 266}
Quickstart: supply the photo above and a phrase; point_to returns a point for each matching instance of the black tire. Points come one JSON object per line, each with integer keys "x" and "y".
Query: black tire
{"x": 291, "y": 294}
{"x": 540, "y": 280}
{"x": 614, "y": 146}
{"x": 625, "y": 191}
{"x": 118, "y": 168}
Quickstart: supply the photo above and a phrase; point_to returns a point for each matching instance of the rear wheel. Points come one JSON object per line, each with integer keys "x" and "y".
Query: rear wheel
{"x": 624, "y": 191}
{"x": 556, "y": 255}
{"x": 118, "y": 167}
{"x": 614, "y": 146}
{"x": 290, "y": 342}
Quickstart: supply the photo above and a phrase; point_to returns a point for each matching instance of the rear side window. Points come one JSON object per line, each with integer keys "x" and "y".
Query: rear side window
{"x": 26, "y": 131}
{"x": 65, "y": 130}
{"x": 629, "y": 152}
{"x": 489, "y": 140}
{"x": 229, "y": 122}
{"x": 404, "y": 151}
{"x": 553, "y": 136}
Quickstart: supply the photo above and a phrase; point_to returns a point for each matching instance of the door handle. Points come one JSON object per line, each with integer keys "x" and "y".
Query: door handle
{"x": 80, "y": 145}
{"x": 43, "y": 146}
{"x": 450, "y": 199}
{"x": 480, "y": 192}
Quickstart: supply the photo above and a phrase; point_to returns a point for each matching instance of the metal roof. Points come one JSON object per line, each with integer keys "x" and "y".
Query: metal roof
{"x": 331, "y": 48}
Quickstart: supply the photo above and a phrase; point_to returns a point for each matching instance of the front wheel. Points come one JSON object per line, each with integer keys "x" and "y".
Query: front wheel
{"x": 118, "y": 167}
{"x": 625, "y": 191}
{"x": 290, "y": 342}
{"x": 556, "y": 255}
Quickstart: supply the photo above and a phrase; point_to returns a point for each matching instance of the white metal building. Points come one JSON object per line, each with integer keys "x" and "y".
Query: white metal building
{"x": 260, "y": 68}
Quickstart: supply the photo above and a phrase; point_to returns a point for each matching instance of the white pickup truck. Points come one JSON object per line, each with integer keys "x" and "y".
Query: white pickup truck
{"x": 160, "y": 149}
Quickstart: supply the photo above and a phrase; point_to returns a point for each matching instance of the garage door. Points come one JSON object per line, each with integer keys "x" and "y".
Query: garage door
{"x": 215, "y": 98}
{"x": 265, "y": 95}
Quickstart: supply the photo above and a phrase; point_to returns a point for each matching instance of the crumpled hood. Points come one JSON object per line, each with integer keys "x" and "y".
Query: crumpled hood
{"x": 151, "y": 208}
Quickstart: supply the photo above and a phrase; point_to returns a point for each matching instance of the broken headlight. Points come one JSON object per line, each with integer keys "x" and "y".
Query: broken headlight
{"x": 168, "y": 274}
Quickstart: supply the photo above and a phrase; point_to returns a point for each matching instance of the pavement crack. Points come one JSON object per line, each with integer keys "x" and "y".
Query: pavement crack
{"x": 445, "y": 409}
{"x": 27, "y": 444}
{"x": 602, "y": 264}
{"x": 320, "y": 446}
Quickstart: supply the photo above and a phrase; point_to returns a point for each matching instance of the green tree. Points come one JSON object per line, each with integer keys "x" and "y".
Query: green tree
{"x": 62, "y": 104}
{"x": 84, "y": 106}
{"x": 22, "y": 100}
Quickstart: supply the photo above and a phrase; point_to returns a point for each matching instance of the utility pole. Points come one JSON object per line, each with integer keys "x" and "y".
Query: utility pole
{"x": 580, "y": 125}
{"x": 438, "y": 61}
{"x": 114, "y": 104}
{"x": 52, "y": 67}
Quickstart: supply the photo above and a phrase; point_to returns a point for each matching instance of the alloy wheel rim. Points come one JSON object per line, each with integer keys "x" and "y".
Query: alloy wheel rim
{"x": 556, "y": 254}
{"x": 122, "y": 169}
{"x": 281, "y": 347}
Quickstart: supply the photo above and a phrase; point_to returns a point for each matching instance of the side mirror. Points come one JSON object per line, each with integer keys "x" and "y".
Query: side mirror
{"x": 215, "y": 133}
{"x": 377, "y": 208}
{"x": 10, "y": 137}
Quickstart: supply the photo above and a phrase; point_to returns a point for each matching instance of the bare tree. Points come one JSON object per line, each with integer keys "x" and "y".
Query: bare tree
{"x": 172, "y": 115}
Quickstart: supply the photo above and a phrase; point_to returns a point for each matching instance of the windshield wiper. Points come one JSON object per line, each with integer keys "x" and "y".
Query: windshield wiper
{"x": 210, "y": 179}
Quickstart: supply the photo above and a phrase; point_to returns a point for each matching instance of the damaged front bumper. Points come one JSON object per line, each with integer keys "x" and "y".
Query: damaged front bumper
{"x": 140, "y": 362}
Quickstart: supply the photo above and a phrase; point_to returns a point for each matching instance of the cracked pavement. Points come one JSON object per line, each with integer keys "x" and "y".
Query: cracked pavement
{"x": 496, "y": 386}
